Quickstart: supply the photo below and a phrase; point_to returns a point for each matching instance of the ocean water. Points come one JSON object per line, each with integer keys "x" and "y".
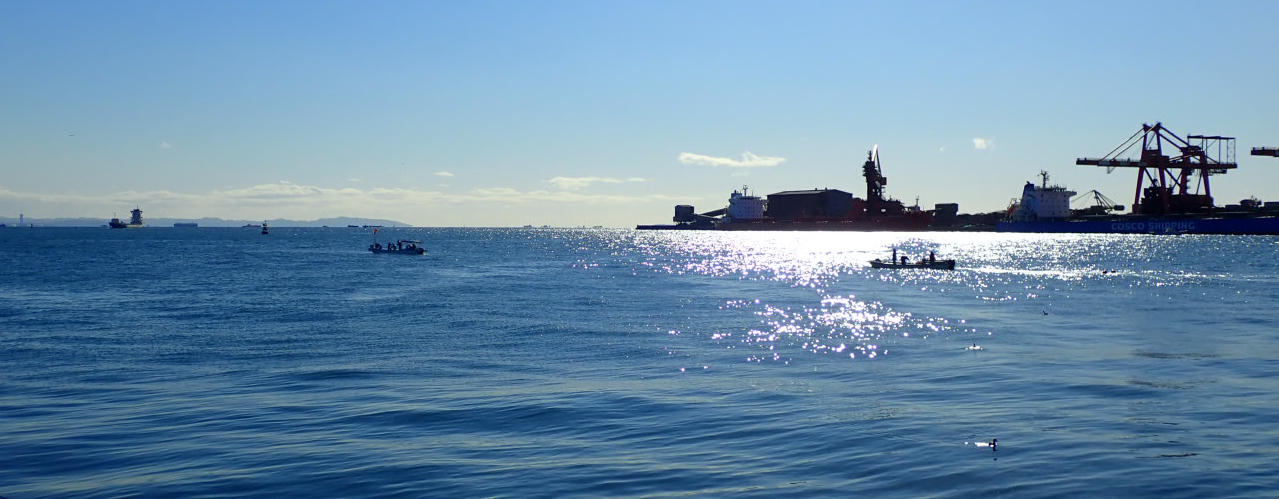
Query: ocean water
{"x": 553, "y": 363}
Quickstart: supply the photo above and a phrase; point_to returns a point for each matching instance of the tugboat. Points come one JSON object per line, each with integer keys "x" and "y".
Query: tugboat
{"x": 135, "y": 222}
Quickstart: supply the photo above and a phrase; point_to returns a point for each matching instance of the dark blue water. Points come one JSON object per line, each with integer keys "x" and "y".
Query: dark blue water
{"x": 594, "y": 363}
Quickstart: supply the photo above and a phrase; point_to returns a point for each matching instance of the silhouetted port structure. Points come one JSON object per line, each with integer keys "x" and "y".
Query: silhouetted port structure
{"x": 1265, "y": 151}
{"x": 1171, "y": 177}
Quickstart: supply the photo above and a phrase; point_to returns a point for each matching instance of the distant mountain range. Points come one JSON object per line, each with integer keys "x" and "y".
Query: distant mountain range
{"x": 203, "y": 222}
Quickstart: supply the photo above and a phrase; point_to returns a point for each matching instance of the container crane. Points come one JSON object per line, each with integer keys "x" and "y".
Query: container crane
{"x": 1265, "y": 151}
{"x": 1170, "y": 176}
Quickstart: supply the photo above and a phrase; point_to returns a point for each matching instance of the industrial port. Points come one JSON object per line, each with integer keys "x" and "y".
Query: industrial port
{"x": 1173, "y": 196}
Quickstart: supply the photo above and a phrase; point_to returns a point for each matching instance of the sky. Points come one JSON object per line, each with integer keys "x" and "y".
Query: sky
{"x": 584, "y": 112}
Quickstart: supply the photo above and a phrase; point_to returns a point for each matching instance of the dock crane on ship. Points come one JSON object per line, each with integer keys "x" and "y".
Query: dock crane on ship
{"x": 1170, "y": 176}
{"x": 1101, "y": 204}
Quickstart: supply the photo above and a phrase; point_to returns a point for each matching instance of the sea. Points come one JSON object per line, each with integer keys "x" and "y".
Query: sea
{"x": 561, "y": 363}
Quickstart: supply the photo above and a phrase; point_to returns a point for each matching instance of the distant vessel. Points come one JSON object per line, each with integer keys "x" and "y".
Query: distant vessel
{"x": 817, "y": 209}
{"x": 185, "y": 224}
{"x": 1176, "y": 200}
{"x": 135, "y": 221}
{"x": 264, "y": 231}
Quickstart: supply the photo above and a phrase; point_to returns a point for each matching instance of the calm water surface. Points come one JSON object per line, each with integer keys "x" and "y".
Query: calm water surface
{"x": 215, "y": 362}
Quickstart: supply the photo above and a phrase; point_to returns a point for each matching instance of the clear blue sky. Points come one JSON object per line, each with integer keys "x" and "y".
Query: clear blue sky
{"x": 483, "y": 113}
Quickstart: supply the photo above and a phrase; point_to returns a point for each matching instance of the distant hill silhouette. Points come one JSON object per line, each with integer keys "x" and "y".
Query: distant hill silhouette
{"x": 204, "y": 222}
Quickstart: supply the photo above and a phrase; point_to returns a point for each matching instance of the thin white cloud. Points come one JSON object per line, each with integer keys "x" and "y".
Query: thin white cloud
{"x": 164, "y": 144}
{"x": 578, "y": 183}
{"x": 748, "y": 160}
{"x": 444, "y": 174}
{"x": 981, "y": 143}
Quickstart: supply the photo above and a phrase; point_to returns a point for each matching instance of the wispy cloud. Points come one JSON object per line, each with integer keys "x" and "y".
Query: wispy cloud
{"x": 578, "y": 183}
{"x": 981, "y": 143}
{"x": 444, "y": 174}
{"x": 748, "y": 160}
{"x": 164, "y": 144}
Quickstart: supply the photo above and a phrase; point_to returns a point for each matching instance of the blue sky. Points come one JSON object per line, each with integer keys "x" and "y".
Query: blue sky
{"x": 502, "y": 113}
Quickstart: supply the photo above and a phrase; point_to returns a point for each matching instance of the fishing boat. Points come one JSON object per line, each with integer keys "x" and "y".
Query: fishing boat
{"x": 904, "y": 263}
{"x": 401, "y": 247}
{"x": 922, "y": 264}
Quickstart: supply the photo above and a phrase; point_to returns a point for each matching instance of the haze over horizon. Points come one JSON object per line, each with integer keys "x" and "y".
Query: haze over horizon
{"x": 567, "y": 113}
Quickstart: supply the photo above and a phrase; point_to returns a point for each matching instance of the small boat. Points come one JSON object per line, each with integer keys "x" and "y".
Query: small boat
{"x": 922, "y": 264}
{"x": 904, "y": 263}
{"x": 401, "y": 247}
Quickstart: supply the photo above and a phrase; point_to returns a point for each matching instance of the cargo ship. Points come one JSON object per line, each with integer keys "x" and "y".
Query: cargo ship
{"x": 135, "y": 221}
{"x": 1173, "y": 193}
{"x": 816, "y": 209}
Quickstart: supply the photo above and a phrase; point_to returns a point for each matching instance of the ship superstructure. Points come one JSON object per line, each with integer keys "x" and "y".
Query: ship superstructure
{"x": 743, "y": 207}
{"x": 1043, "y": 202}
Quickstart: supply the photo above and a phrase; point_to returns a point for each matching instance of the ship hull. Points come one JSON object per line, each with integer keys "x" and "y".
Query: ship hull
{"x": 902, "y": 224}
{"x": 1261, "y": 225}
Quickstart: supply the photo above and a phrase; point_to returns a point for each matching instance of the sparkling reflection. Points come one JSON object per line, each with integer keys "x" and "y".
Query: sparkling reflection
{"x": 816, "y": 312}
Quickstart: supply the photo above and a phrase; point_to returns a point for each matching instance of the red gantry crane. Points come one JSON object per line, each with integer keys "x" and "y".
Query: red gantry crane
{"x": 1170, "y": 177}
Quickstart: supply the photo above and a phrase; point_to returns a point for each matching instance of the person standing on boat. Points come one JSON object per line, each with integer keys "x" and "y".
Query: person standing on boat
{"x": 932, "y": 258}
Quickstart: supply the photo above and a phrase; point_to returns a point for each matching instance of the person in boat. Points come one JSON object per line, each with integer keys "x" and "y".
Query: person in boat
{"x": 932, "y": 258}
{"x": 905, "y": 260}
